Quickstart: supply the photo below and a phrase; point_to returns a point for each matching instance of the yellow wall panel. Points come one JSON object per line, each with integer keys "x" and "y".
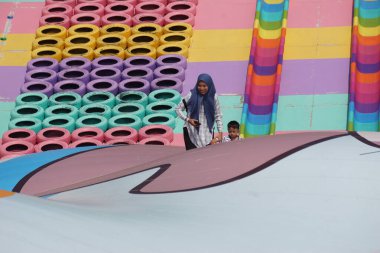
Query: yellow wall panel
{"x": 317, "y": 43}
{"x": 220, "y": 45}
{"x": 18, "y": 42}
{"x": 15, "y": 51}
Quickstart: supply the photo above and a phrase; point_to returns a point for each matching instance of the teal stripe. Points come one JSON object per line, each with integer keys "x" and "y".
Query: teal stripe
{"x": 258, "y": 5}
{"x": 274, "y": 117}
{"x": 369, "y": 127}
{"x": 312, "y": 112}
{"x": 356, "y": 4}
{"x": 254, "y": 130}
{"x": 271, "y": 16}
{"x": 351, "y": 110}
{"x": 286, "y": 6}
{"x": 5, "y": 115}
{"x": 369, "y": 13}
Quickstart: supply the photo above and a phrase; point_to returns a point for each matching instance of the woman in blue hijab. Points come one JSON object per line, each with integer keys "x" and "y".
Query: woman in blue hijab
{"x": 203, "y": 111}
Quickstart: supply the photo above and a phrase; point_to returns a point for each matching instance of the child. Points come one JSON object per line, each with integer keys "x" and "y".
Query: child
{"x": 233, "y": 132}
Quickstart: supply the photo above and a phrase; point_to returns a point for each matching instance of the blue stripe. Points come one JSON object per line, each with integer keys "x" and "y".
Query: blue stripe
{"x": 12, "y": 171}
{"x": 265, "y": 70}
{"x": 257, "y": 129}
{"x": 369, "y": 4}
{"x": 366, "y": 117}
{"x": 368, "y": 68}
{"x": 259, "y": 119}
{"x": 351, "y": 109}
{"x": 272, "y": 16}
{"x": 273, "y": 7}
{"x": 356, "y": 4}
{"x": 286, "y": 7}
{"x": 372, "y": 127}
{"x": 363, "y": 13}
{"x": 353, "y": 57}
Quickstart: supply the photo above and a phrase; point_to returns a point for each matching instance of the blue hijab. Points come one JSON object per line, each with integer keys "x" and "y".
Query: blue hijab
{"x": 208, "y": 101}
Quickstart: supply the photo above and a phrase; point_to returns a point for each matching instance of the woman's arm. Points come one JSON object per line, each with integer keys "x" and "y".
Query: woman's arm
{"x": 181, "y": 107}
{"x": 218, "y": 119}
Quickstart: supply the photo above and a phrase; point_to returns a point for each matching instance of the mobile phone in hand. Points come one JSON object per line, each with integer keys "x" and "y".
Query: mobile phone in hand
{"x": 197, "y": 123}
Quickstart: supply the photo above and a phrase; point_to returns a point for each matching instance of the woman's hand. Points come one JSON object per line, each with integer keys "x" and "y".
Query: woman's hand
{"x": 193, "y": 122}
{"x": 220, "y": 136}
{"x": 217, "y": 139}
{"x": 214, "y": 141}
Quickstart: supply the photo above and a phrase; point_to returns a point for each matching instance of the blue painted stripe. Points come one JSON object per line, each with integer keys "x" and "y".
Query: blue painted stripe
{"x": 356, "y": 4}
{"x": 12, "y": 171}
{"x": 366, "y": 108}
{"x": 275, "y": 107}
{"x": 272, "y": 7}
{"x": 369, "y": 4}
{"x": 259, "y": 119}
{"x": 353, "y": 57}
{"x": 366, "y": 117}
{"x": 272, "y": 16}
{"x": 260, "y": 109}
{"x": 368, "y": 68}
{"x": 351, "y": 109}
{"x": 245, "y": 108}
{"x": 286, "y": 7}
{"x": 274, "y": 118}
{"x": 372, "y": 127}
{"x": 252, "y": 129}
{"x": 264, "y": 70}
{"x": 258, "y": 5}
{"x": 363, "y": 13}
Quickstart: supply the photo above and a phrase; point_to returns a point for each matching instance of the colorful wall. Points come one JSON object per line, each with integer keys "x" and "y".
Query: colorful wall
{"x": 220, "y": 46}
{"x": 313, "y": 73}
{"x": 311, "y": 90}
{"x": 365, "y": 67}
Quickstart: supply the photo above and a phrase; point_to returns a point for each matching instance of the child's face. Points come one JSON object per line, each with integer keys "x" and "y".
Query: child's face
{"x": 233, "y": 133}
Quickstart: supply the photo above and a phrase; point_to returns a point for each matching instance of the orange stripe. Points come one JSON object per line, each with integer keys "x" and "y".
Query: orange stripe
{"x": 367, "y": 78}
{"x": 4, "y": 194}
{"x": 279, "y": 69}
{"x": 369, "y": 41}
{"x": 283, "y": 32}
{"x": 263, "y": 80}
{"x": 268, "y": 43}
{"x": 353, "y": 66}
{"x": 250, "y": 69}
{"x": 255, "y": 32}
{"x": 355, "y": 30}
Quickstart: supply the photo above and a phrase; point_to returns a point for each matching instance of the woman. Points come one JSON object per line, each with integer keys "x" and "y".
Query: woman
{"x": 203, "y": 110}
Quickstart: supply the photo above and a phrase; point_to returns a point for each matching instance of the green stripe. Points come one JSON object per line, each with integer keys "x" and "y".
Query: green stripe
{"x": 356, "y": 12}
{"x": 257, "y": 15}
{"x": 286, "y": 14}
{"x": 366, "y": 22}
{"x": 270, "y": 25}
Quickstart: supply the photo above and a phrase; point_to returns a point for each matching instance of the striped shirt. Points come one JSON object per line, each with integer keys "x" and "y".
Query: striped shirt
{"x": 202, "y": 137}
{"x": 228, "y": 139}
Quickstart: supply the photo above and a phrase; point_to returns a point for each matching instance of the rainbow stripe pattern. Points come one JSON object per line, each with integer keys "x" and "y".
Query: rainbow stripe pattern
{"x": 264, "y": 68}
{"x": 364, "y": 106}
